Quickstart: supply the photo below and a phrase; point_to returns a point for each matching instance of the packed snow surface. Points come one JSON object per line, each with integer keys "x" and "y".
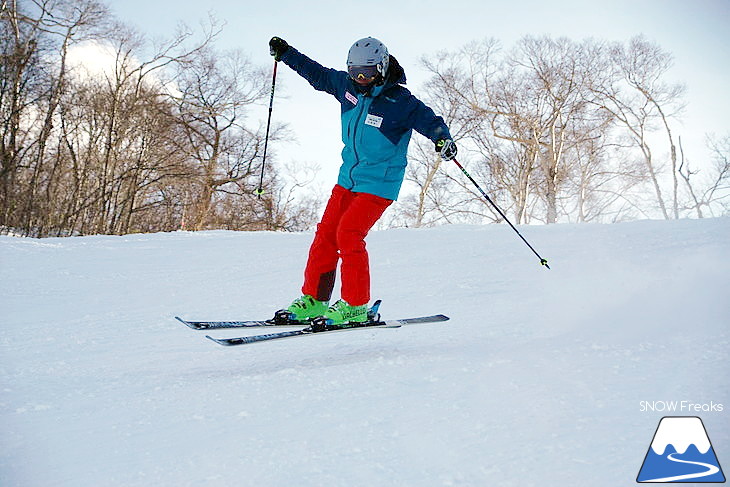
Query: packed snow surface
{"x": 541, "y": 377}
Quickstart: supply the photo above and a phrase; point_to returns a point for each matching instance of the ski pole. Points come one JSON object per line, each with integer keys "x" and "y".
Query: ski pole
{"x": 260, "y": 190}
{"x": 542, "y": 261}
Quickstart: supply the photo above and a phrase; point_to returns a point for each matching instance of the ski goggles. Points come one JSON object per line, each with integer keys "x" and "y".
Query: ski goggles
{"x": 363, "y": 74}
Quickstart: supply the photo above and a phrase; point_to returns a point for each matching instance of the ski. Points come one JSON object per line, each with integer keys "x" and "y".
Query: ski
{"x": 280, "y": 319}
{"x": 320, "y": 328}
{"x": 207, "y": 325}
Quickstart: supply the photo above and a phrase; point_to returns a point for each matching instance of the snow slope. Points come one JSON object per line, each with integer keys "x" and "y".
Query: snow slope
{"x": 537, "y": 379}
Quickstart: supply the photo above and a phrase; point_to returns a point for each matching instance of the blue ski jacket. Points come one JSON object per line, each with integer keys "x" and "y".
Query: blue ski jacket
{"x": 376, "y": 126}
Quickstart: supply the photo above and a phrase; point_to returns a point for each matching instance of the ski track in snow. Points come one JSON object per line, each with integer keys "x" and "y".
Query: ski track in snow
{"x": 535, "y": 380}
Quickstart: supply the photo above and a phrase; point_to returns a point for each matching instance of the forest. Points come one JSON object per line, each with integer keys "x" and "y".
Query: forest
{"x": 557, "y": 130}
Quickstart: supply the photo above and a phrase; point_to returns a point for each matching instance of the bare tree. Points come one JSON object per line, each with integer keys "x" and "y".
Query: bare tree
{"x": 34, "y": 77}
{"x": 712, "y": 193}
{"x": 136, "y": 145}
{"x": 69, "y": 23}
{"x": 460, "y": 89}
{"x": 545, "y": 125}
{"x": 38, "y": 97}
{"x": 131, "y": 93}
{"x": 21, "y": 83}
{"x": 525, "y": 112}
{"x": 638, "y": 98}
{"x": 553, "y": 78}
{"x": 600, "y": 176}
{"x": 718, "y": 191}
{"x": 215, "y": 92}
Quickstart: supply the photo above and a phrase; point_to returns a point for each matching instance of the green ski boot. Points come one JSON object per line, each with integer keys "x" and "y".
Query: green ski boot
{"x": 306, "y": 308}
{"x": 341, "y": 314}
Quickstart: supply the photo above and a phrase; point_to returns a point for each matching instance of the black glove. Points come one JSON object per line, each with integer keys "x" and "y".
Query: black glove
{"x": 446, "y": 148}
{"x": 277, "y": 47}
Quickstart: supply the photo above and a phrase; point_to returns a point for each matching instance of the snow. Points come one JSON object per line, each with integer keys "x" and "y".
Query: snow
{"x": 536, "y": 380}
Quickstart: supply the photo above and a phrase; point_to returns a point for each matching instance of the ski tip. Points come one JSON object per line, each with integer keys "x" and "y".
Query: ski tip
{"x": 191, "y": 324}
{"x": 218, "y": 341}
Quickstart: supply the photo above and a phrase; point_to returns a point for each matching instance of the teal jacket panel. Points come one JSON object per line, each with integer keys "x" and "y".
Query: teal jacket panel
{"x": 376, "y": 126}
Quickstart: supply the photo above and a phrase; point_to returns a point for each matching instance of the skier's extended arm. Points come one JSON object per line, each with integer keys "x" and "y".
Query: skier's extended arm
{"x": 321, "y": 78}
{"x": 427, "y": 123}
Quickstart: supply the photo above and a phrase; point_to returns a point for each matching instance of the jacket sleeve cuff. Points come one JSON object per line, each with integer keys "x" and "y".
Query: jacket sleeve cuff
{"x": 286, "y": 57}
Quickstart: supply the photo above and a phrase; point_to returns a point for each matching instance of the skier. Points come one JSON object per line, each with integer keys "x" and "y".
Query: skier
{"x": 378, "y": 117}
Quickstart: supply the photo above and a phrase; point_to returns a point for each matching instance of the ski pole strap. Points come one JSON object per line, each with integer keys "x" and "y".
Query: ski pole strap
{"x": 543, "y": 262}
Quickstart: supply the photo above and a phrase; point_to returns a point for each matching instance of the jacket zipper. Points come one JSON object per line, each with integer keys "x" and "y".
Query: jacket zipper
{"x": 354, "y": 142}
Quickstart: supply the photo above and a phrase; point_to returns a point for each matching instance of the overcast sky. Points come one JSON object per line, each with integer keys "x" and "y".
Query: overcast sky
{"x": 696, "y": 32}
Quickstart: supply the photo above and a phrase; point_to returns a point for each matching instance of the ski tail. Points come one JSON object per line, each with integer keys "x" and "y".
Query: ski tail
{"x": 208, "y": 325}
{"x": 424, "y": 319}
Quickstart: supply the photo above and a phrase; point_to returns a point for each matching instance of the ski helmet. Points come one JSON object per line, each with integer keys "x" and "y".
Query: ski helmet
{"x": 368, "y": 52}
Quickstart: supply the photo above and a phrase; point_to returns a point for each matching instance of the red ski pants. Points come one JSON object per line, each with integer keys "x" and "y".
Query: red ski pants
{"x": 340, "y": 234}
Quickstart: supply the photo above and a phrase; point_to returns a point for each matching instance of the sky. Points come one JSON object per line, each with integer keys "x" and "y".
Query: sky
{"x": 696, "y": 33}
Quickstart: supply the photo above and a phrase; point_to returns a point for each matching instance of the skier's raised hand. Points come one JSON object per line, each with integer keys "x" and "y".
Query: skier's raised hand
{"x": 277, "y": 47}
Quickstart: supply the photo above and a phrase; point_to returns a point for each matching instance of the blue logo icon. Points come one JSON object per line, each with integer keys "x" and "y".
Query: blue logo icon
{"x": 681, "y": 452}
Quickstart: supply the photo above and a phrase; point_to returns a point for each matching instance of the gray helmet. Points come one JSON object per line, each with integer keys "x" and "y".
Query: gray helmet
{"x": 369, "y": 52}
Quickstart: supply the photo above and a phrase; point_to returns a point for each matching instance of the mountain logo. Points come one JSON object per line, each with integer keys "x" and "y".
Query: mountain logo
{"x": 680, "y": 452}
